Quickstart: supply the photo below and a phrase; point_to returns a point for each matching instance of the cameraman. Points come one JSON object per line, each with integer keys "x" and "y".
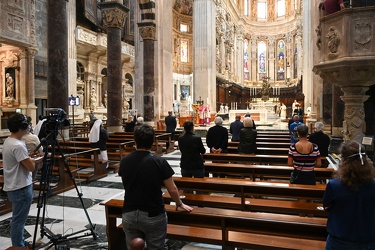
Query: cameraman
{"x": 17, "y": 177}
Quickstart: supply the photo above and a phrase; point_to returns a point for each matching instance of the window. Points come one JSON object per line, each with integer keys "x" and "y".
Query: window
{"x": 246, "y": 7}
{"x": 183, "y": 28}
{"x": 262, "y": 57}
{"x": 80, "y": 71}
{"x": 246, "y": 60}
{"x": 280, "y": 8}
{"x": 184, "y": 50}
{"x": 262, "y": 9}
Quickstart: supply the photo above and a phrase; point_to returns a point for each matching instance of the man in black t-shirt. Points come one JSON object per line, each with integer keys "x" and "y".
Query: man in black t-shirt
{"x": 142, "y": 175}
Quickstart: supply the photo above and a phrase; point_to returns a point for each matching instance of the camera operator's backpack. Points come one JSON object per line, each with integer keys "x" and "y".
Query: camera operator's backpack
{"x": 294, "y": 132}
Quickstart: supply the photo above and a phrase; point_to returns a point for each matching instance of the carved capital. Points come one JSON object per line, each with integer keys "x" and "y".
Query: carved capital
{"x": 114, "y": 14}
{"x": 147, "y": 32}
{"x": 31, "y": 52}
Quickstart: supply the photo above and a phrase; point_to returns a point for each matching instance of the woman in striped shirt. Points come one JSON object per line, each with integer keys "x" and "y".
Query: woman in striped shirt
{"x": 303, "y": 157}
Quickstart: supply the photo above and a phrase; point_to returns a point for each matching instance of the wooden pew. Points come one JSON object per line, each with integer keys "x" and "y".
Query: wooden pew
{"x": 247, "y": 158}
{"x": 229, "y": 228}
{"x": 262, "y": 159}
{"x": 246, "y": 187}
{"x": 262, "y": 171}
{"x": 263, "y": 144}
{"x": 273, "y": 139}
{"x": 264, "y": 150}
{"x": 83, "y": 158}
{"x": 251, "y": 204}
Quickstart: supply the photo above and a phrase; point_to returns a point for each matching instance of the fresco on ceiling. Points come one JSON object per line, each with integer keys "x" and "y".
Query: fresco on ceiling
{"x": 184, "y": 7}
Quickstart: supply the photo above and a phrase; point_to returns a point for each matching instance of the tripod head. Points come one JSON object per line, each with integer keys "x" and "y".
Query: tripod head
{"x": 55, "y": 118}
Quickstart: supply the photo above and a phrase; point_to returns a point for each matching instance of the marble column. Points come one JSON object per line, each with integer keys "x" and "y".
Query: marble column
{"x": 31, "y": 108}
{"x": 354, "y": 116}
{"x": 147, "y": 31}
{"x": 72, "y": 48}
{"x": 204, "y": 46}
{"x": 114, "y": 15}
{"x": 240, "y": 55}
{"x": 57, "y": 40}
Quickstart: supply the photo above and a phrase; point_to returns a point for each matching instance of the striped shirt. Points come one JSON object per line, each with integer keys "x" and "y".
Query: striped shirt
{"x": 304, "y": 162}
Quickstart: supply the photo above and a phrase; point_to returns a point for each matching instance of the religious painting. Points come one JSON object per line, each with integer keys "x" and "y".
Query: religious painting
{"x": 246, "y": 60}
{"x": 184, "y": 51}
{"x": 90, "y": 10}
{"x": 262, "y": 52}
{"x": 185, "y": 92}
{"x": 280, "y": 60}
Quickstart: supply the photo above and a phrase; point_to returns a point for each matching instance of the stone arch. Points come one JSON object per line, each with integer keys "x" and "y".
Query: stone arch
{"x": 147, "y": 8}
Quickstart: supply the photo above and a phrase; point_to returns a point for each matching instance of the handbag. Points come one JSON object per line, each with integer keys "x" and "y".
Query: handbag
{"x": 294, "y": 179}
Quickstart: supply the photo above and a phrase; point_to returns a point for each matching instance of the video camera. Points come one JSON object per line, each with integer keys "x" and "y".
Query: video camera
{"x": 55, "y": 118}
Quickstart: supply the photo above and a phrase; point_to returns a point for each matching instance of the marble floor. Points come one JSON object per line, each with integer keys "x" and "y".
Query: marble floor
{"x": 64, "y": 214}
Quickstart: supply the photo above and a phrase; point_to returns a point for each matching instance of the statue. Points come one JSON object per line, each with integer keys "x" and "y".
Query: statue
{"x": 333, "y": 40}
{"x": 226, "y": 109}
{"x": 266, "y": 89}
{"x": 126, "y": 105}
{"x": 9, "y": 86}
{"x": 221, "y": 109}
{"x": 93, "y": 99}
{"x": 105, "y": 100}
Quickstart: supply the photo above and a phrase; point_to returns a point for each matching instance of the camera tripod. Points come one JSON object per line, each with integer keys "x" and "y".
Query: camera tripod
{"x": 46, "y": 173}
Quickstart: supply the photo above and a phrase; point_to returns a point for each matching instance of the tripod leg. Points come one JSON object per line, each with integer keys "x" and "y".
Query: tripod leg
{"x": 42, "y": 195}
{"x": 92, "y": 227}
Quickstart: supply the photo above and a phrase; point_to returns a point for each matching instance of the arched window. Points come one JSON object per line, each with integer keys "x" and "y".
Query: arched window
{"x": 262, "y": 59}
{"x": 129, "y": 78}
{"x": 280, "y": 8}
{"x": 80, "y": 71}
{"x": 280, "y": 60}
{"x": 246, "y": 60}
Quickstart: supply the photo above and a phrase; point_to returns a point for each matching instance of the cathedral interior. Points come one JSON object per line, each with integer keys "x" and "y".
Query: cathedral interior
{"x": 116, "y": 58}
{"x": 148, "y": 57}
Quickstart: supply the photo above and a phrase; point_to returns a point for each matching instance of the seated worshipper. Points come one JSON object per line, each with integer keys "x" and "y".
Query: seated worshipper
{"x": 248, "y": 136}
{"x": 217, "y": 137}
{"x": 98, "y": 138}
{"x": 235, "y": 128}
{"x": 350, "y": 200}
{"x": 191, "y": 147}
{"x": 129, "y": 124}
{"x": 33, "y": 145}
{"x": 303, "y": 157}
{"x": 320, "y": 139}
{"x": 143, "y": 175}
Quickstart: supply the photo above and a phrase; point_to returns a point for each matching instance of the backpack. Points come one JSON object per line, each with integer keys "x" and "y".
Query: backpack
{"x": 294, "y": 132}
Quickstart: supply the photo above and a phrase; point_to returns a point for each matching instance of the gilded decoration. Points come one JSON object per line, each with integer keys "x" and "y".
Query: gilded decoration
{"x": 114, "y": 18}
{"x": 147, "y": 32}
{"x": 184, "y": 7}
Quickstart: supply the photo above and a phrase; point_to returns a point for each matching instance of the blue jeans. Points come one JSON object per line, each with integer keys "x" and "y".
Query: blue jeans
{"x": 337, "y": 244}
{"x": 21, "y": 200}
{"x": 137, "y": 224}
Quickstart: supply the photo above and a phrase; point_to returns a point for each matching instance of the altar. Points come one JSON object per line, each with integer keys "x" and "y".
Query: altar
{"x": 259, "y": 115}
